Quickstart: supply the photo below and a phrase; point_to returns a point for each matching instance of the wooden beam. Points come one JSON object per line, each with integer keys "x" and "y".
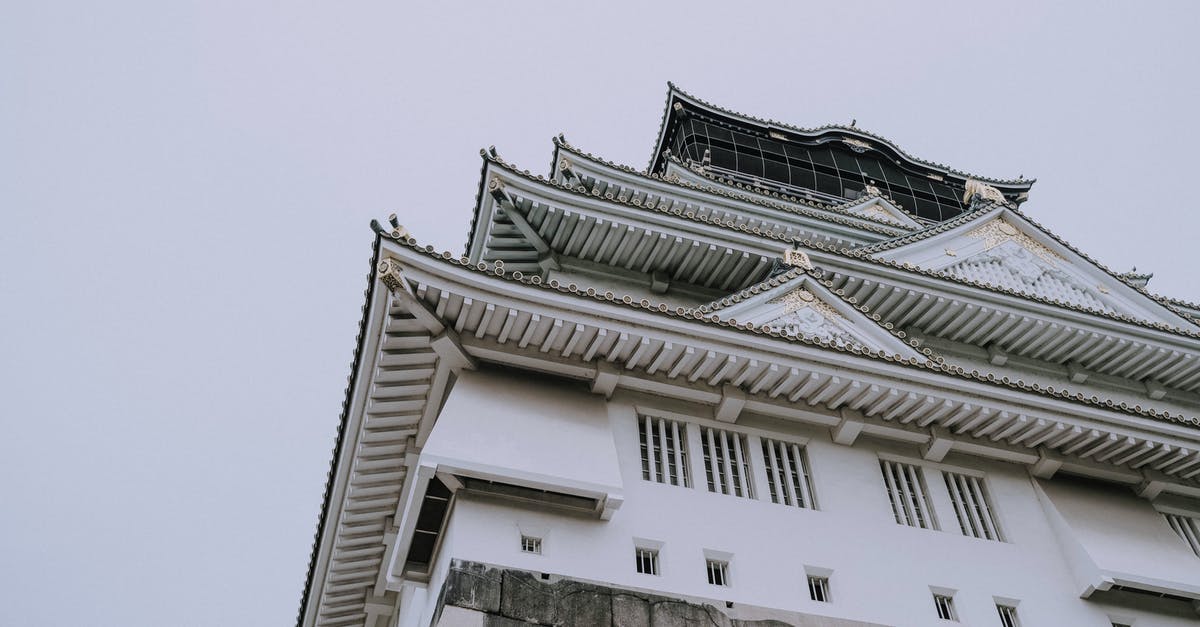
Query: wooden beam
{"x": 848, "y": 429}
{"x": 733, "y": 399}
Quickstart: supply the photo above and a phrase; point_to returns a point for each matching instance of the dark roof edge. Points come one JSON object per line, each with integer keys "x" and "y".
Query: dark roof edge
{"x": 674, "y": 92}
{"x": 335, "y": 462}
{"x": 837, "y": 213}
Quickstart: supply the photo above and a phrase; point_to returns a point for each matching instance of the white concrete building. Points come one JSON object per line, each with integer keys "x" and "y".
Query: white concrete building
{"x": 784, "y": 374}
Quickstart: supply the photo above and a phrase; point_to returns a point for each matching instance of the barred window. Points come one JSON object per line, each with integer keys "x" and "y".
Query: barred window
{"x": 726, "y": 462}
{"x": 818, "y": 589}
{"x": 718, "y": 572}
{"x": 647, "y": 561}
{"x": 1008, "y": 615}
{"x": 530, "y": 544}
{"x": 945, "y": 607}
{"x": 787, "y": 474}
{"x": 1188, "y": 528}
{"x": 907, "y": 493}
{"x": 971, "y": 506}
{"x": 664, "y": 451}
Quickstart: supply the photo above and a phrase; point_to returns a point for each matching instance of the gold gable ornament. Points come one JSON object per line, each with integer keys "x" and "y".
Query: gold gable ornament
{"x": 797, "y": 259}
{"x": 984, "y": 191}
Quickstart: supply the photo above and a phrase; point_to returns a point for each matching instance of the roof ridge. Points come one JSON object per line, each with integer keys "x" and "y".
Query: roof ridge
{"x": 795, "y": 273}
{"x": 852, "y": 253}
{"x": 968, "y": 216}
{"x": 875, "y": 225}
{"x": 497, "y": 270}
{"x": 672, "y": 88}
{"x": 1161, "y": 300}
{"x": 838, "y": 207}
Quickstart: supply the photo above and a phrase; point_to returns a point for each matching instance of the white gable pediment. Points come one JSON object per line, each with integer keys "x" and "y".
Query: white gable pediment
{"x": 801, "y": 307}
{"x": 1004, "y": 251}
{"x": 1015, "y": 267}
{"x": 881, "y": 210}
{"x": 799, "y": 313}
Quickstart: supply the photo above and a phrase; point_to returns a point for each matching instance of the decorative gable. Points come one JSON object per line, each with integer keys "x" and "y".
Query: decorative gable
{"x": 797, "y": 305}
{"x": 999, "y": 248}
{"x": 1012, "y": 260}
{"x": 881, "y": 210}
{"x": 803, "y": 315}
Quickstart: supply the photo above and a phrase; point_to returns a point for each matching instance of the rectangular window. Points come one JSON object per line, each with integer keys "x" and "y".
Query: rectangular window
{"x": 1188, "y": 528}
{"x": 971, "y": 506}
{"x": 647, "y": 561}
{"x": 945, "y": 607}
{"x": 664, "y": 451}
{"x": 718, "y": 572}
{"x": 818, "y": 588}
{"x": 530, "y": 544}
{"x": 907, "y": 493}
{"x": 726, "y": 462}
{"x": 1008, "y": 615}
{"x": 787, "y": 474}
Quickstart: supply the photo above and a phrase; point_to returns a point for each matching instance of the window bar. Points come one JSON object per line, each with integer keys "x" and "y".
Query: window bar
{"x": 893, "y": 493}
{"x": 743, "y": 480}
{"x": 989, "y": 523}
{"x": 788, "y": 475}
{"x": 648, "y": 465}
{"x": 773, "y": 476}
{"x": 972, "y": 509}
{"x": 904, "y": 490}
{"x": 728, "y": 473}
{"x": 1187, "y": 528}
{"x": 805, "y": 489}
{"x": 959, "y": 505}
{"x": 678, "y": 454}
{"x": 918, "y": 496}
{"x": 717, "y": 484}
{"x": 972, "y": 506}
{"x": 1191, "y": 532}
{"x": 662, "y": 452}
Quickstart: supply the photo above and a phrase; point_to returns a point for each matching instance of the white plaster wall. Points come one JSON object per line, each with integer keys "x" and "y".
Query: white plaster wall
{"x": 882, "y": 571}
{"x": 521, "y": 426}
{"x": 1131, "y": 539}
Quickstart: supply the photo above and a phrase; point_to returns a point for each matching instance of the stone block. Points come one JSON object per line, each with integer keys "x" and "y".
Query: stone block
{"x": 524, "y": 597}
{"x": 630, "y": 610}
{"x": 583, "y": 604}
{"x": 503, "y": 621}
{"x": 683, "y": 614}
{"x": 473, "y": 586}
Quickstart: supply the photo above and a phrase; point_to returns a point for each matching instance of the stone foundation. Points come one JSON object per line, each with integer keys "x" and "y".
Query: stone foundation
{"x": 478, "y": 595}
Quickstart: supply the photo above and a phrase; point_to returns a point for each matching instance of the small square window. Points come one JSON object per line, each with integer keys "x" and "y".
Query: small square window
{"x": 647, "y": 561}
{"x": 945, "y": 607}
{"x": 718, "y": 572}
{"x": 530, "y": 544}
{"x": 818, "y": 589}
{"x": 1008, "y": 615}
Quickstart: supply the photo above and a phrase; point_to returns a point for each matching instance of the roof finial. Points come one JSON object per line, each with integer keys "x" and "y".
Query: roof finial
{"x": 853, "y": 121}
{"x": 982, "y": 191}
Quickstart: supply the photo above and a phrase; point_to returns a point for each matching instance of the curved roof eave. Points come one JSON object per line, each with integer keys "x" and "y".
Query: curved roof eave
{"x": 675, "y": 94}
{"x": 837, "y": 213}
{"x": 929, "y": 362}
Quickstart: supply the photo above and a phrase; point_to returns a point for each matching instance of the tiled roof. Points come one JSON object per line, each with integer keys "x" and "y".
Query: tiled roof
{"x": 351, "y": 381}
{"x": 865, "y": 252}
{"x": 794, "y": 273}
{"x": 672, "y": 89}
{"x": 789, "y": 204}
{"x": 498, "y": 272}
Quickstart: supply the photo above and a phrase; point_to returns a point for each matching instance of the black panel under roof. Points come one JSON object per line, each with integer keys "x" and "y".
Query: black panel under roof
{"x": 826, "y": 169}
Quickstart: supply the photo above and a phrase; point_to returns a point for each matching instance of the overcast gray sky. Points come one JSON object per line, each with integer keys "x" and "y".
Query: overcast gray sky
{"x": 186, "y": 189}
